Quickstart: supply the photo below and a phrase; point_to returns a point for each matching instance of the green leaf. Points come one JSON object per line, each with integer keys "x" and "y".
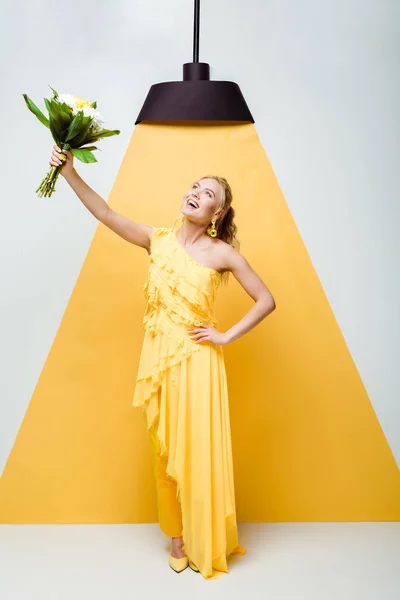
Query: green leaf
{"x": 80, "y": 138}
{"x": 78, "y": 130}
{"x": 74, "y": 126}
{"x": 63, "y": 113}
{"x": 102, "y": 134}
{"x": 53, "y": 128}
{"x": 84, "y": 155}
{"x": 94, "y": 104}
{"x": 47, "y": 103}
{"x": 59, "y": 120}
{"x": 54, "y": 91}
{"x": 67, "y": 109}
{"x": 35, "y": 110}
{"x": 65, "y": 120}
{"x": 89, "y": 148}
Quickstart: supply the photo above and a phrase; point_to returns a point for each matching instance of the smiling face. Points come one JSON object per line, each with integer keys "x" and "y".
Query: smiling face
{"x": 202, "y": 201}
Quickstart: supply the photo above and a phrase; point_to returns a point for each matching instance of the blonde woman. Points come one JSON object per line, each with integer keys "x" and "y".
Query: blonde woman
{"x": 181, "y": 384}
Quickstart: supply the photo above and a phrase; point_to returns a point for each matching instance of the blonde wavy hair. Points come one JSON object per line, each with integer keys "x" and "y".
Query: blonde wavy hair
{"x": 225, "y": 225}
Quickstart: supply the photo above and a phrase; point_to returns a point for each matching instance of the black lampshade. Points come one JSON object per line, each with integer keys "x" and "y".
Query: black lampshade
{"x": 196, "y": 98}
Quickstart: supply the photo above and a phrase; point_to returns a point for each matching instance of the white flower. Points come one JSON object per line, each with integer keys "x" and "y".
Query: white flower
{"x": 67, "y": 98}
{"x": 98, "y": 120}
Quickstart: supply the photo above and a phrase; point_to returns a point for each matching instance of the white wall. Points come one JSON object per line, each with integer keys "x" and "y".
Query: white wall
{"x": 321, "y": 80}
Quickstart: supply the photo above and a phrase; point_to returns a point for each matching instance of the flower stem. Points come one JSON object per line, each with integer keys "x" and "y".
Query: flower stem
{"x": 47, "y": 186}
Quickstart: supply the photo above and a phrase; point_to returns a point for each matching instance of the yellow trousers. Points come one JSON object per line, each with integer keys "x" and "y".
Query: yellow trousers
{"x": 169, "y": 507}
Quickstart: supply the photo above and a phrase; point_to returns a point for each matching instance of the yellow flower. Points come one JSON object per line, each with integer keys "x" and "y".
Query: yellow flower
{"x": 80, "y": 102}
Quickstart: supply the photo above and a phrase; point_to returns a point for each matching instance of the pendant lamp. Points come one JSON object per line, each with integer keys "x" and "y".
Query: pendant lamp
{"x": 196, "y": 98}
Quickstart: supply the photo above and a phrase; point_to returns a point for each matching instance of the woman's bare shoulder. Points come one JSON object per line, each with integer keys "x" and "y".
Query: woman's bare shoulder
{"x": 228, "y": 256}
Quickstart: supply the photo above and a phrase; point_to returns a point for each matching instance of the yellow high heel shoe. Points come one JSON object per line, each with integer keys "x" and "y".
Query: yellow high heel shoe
{"x": 178, "y": 564}
{"x": 193, "y": 566}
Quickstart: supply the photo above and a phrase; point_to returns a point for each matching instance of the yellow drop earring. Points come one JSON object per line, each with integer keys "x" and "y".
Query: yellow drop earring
{"x": 212, "y": 231}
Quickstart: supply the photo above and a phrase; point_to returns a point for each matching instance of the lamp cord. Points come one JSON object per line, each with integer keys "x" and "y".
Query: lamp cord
{"x": 196, "y": 33}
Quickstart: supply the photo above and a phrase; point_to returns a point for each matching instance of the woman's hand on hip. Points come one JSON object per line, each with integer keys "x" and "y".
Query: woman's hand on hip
{"x": 207, "y": 333}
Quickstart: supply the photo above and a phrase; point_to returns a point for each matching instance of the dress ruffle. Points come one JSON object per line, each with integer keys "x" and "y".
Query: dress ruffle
{"x": 187, "y": 293}
{"x": 161, "y": 350}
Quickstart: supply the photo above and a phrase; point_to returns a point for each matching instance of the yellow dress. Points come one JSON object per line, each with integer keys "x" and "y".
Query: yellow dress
{"x": 182, "y": 387}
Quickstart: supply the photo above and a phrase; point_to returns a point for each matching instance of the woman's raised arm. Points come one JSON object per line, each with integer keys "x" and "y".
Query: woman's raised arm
{"x": 135, "y": 233}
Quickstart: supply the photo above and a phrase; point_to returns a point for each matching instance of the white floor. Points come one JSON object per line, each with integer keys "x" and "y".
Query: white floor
{"x": 291, "y": 561}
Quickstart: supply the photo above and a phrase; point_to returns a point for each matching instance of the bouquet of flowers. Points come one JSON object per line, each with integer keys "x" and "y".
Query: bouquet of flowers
{"x": 73, "y": 123}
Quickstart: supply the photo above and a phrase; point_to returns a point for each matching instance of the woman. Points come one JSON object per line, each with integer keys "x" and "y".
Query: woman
{"x": 181, "y": 383}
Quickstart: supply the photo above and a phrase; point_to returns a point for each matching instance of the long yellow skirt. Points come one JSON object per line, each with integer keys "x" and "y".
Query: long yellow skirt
{"x": 188, "y": 419}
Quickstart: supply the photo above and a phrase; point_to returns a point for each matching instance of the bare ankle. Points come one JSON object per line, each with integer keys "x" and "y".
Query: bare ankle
{"x": 177, "y": 549}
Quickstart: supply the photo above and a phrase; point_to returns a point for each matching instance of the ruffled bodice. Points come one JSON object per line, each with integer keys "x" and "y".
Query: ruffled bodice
{"x": 180, "y": 295}
{"x": 178, "y": 283}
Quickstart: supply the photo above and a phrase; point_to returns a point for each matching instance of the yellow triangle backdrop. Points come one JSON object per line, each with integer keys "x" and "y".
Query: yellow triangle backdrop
{"x": 307, "y": 444}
